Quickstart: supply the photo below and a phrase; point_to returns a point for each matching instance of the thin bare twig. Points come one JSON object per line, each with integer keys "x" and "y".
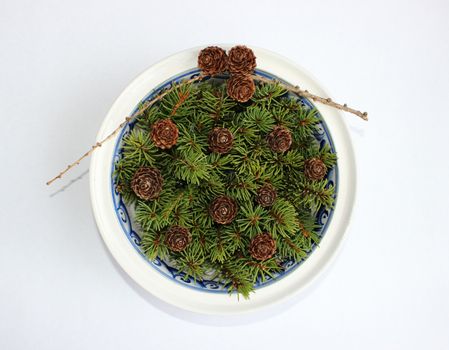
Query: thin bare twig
{"x": 144, "y": 107}
{"x": 147, "y": 104}
{"x": 304, "y": 93}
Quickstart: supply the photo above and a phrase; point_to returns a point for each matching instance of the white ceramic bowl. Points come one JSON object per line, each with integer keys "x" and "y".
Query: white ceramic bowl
{"x": 151, "y": 279}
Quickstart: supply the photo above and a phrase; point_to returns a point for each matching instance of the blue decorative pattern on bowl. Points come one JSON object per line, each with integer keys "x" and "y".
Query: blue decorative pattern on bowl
{"x": 165, "y": 267}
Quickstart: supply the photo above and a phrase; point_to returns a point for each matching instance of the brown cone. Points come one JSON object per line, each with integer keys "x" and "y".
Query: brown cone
{"x": 240, "y": 87}
{"x": 213, "y": 60}
{"x": 177, "y": 238}
{"x": 241, "y": 60}
{"x": 220, "y": 140}
{"x": 223, "y": 210}
{"x": 147, "y": 183}
{"x": 262, "y": 246}
{"x": 266, "y": 195}
{"x": 279, "y": 139}
{"x": 315, "y": 169}
{"x": 164, "y": 133}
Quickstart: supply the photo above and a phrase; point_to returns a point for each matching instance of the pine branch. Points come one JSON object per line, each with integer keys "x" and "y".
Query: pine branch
{"x": 289, "y": 160}
{"x": 314, "y": 194}
{"x": 148, "y": 118}
{"x": 252, "y": 219}
{"x": 240, "y": 187}
{"x": 237, "y": 277}
{"x": 327, "y": 156}
{"x": 292, "y": 248}
{"x": 153, "y": 246}
{"x": 234, "y": 238}
{"x": 147, "y": 214}
{"x": 191, "y": 262}
{"x": 189, "y": 142}
{"x": 306, "y": 122}
{"x": 258, "y": 117}
{"x": 139, "y": 149}
{"x": 218, "y": 248}
{"x": 216, "y": 103}
{"x": 262, "y": 269}
{"x": 191, "y": 166}
{"x": 179, "y": 101}
{"x": 283, "y": 219}
{"x": 266, "y": 94}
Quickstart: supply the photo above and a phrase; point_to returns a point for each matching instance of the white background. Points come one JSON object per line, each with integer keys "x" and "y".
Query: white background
{"x": 62, "y": 64}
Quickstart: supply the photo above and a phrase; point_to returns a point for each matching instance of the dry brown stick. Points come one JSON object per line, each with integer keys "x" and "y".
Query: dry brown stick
{"x": 145, "y": 106}
{"x": 307, "y": 94}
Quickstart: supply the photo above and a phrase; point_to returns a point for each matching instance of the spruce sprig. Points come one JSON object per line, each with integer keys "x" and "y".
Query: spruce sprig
{"x": 283, "y": 219}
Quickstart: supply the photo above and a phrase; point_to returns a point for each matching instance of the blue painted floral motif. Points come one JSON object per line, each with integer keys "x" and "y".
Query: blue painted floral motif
{"x": 166, "y": 268}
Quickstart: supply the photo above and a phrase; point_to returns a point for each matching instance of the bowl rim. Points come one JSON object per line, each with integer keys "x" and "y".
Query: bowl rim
{"x": 174, "y": 293}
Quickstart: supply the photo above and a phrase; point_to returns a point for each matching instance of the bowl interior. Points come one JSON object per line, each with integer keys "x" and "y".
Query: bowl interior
{"x": 124, "y": 213}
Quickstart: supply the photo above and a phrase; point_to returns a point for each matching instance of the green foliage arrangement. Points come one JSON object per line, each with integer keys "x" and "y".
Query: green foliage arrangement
{"x": 226, "y": 186}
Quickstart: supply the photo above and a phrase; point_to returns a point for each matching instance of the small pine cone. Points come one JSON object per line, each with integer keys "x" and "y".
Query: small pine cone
{"x": 223, "y": 210}
{"x": 220, "y": 140}
{"x": 147, "y": 183}
{"x": 279, "y": 139}
{"x": 315, "y": 169}
{"x": 240, "y": 87}
{"x": 164, "y": 133}
{"x": 213, "y": 60}
{"x": 266, "y": 195}
{"x": 177, "y": 238}
{"x": 241, "y": 60}
{"x": 262, "y": 246}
